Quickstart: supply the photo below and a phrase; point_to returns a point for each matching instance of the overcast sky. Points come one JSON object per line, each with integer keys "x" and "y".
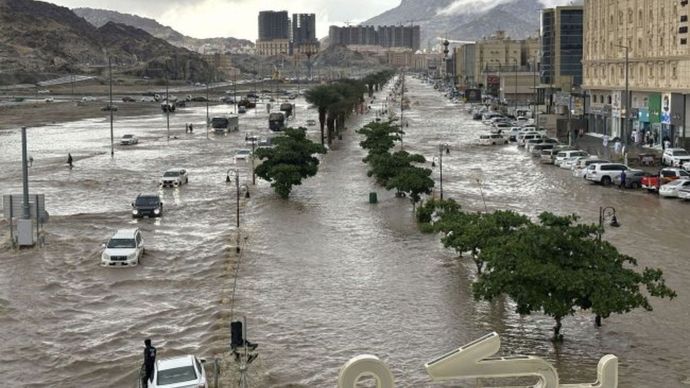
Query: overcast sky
{"x": 236, "y": 18}
{"x": 239, "y": 18}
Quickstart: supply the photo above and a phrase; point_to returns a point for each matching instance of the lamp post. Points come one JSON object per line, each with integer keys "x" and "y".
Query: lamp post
{"x": 441, "y": 148}
{"x": 238, "y": 189}
{"x": 516, "y": 82}
{"x": 110, "y": 107}
{"x": 606, "y": 213}
{"x": 626, "y": 120}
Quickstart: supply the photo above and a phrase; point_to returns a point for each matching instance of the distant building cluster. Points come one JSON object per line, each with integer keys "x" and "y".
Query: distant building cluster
{"x": 384, "y": 36}
{"x": 281, "y": 35}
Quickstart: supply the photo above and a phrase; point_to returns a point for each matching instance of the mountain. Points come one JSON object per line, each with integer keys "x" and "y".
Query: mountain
{"x": 465, "y": 19}
{"x": 100, "y": 17}
{"x": 39, "y": 40}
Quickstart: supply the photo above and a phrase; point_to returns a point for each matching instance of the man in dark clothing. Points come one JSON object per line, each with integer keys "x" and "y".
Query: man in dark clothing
{"x": 69, "y": 160}
{"x": 622, "y": 185}
{"x": 149, "y": 360}
{"x": 191, "y": 129}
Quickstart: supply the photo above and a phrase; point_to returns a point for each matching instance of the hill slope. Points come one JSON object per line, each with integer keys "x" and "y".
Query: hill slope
{"x": 39, "y": 40}
{"x": 100, "y": 17}
{"x": 461, "y": 21}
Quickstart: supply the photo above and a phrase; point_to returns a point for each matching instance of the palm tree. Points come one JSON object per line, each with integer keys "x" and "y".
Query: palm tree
{"x": 322, "y": 97}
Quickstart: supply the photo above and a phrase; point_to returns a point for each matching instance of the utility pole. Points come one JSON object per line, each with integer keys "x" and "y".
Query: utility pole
{"x": 208, "y": 120}
{"x": 402, "y": 98}
{"x": 626, "y": 119}
{"x": 110, "y": 106}
{"x": 516, "y": 82}
{"x": 167, "y": 101}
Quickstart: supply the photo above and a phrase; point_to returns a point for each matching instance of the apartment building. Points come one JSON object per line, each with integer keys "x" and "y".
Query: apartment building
{"x": 654, "y": 33}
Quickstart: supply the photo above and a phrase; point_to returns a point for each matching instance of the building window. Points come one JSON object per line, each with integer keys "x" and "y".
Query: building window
{"x": 683, "y": 30}
{"x": 683, "y": 41}
{"x": 674, "y": 71}
{"x": 683, "y": 18}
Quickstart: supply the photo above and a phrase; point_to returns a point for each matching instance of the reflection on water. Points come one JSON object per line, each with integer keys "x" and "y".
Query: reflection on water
{"x": 325, "y": 275}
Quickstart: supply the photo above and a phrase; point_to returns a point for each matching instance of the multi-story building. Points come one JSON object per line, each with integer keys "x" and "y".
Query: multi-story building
{"x": 654, "y": 34}
{"x": 561, "y": 47}
{"x": 304, "y": 34}
{"x": 464, "y": 66}
{"x": 385, "y": 36}
{"x": 281, "y": 35}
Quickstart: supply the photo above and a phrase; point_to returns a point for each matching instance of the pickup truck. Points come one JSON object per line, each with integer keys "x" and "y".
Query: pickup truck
{"x": 653, "y": 182}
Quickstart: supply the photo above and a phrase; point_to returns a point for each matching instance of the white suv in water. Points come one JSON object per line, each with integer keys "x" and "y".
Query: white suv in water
{"x": 124, "y": 249}
{"x": 174, "y": 177}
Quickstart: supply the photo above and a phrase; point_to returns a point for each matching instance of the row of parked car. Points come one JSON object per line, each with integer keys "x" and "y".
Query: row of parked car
{"x": 668, "y": 182}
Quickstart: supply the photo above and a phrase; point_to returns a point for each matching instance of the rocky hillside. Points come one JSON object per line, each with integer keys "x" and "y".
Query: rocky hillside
{"x": 464, "y": 19}
{"x": 100, "y": 17}
{"x": 39, "y": 39}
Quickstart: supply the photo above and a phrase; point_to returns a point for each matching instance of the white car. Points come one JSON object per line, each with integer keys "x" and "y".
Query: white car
{"x": 604, "y": 173}
{"x": 684, "y": 193}
{"x": 563, "y": 155}
{"x": 676, "y": 157}
{"x": 125, "y": 248}
{"x": 523, "y": 138}
{"x": 243, "y": 155}
{"x": 580, "y": 168}
{"x": 569, "y": 163}
{"x": 129, "y": 139}
{"x": 671, "y": 189}
{"x": 174, "y": 177}
{"x": 179, "y": 372}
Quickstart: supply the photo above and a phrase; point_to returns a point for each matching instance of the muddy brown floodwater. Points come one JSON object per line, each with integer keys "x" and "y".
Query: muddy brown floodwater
{"x": 324, "y": 276}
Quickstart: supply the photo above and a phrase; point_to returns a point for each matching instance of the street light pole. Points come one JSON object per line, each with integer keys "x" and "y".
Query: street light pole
{"x": 626, "y": 119}
{"x": 605, "y": 213}
{"x": 110, "y": 106}
{"x": 167, "y": 101}
{"x": 208, "y": 120}
{"x": 516, "y": 82}
{"x": 440, "y": 165}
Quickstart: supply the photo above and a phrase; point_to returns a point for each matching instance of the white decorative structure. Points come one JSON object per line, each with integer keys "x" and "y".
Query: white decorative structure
{"x": 474, "y": 361}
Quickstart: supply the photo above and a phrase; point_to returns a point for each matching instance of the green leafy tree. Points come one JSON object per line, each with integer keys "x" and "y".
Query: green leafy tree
{"x": 386, "y": 166}
{"x": 379, "y": 137}
{"x": 559, "y": 267}
{"x": 289, "y": 161}
{"x": 434, "y": 209}
{"x": 412, "y": 180}
{"x": 472, "y": 233}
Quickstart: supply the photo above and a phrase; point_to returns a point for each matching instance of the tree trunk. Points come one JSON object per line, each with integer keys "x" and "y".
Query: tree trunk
{"x": 479, "y": 263}
{"x": 557, "y": 336}
{"x": 330, "y": 123}
{"x": 597, "y": 320}
{"x": 322, "y": 123}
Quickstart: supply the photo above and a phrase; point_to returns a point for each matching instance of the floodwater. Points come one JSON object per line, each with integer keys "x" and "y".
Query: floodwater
{"x": 324, "y": 275}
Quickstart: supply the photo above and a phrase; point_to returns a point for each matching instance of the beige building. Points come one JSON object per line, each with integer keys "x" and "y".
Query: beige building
{"x": 273, "y": 47}
{"x": 655, "y": 35}
{"x": 223, "y": 63}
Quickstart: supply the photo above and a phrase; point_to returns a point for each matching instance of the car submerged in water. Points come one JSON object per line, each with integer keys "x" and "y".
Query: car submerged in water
{"x": 147, "y": 205}
{"x": 174, "y": 177}
{"x": 125, "y": 249}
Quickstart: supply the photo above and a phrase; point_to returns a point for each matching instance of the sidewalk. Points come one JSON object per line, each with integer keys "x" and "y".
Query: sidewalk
{"x": 593, "y": 144}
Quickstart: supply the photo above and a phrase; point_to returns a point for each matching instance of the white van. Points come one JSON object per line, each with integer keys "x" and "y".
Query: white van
{"x": 580, "y": 167}
{"x": 492, "y": 139}
{"x": 522, "y": 140}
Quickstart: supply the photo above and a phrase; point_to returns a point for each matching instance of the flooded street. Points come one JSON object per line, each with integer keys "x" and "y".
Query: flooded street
{"x": 324, "y": 275}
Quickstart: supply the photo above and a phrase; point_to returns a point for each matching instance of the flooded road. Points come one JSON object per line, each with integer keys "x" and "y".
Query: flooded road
{"x": 325, "y": 275}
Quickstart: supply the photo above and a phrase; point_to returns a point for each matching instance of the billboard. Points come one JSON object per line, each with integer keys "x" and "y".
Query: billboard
{"x": 473, "y": 95}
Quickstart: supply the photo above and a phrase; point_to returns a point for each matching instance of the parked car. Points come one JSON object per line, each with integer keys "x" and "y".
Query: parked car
{"x": 633, "y": 179}
{"x": 147, "y": 205}
{"x": 671, "y": 189}
{"x": 124, "y": 248}
{"x": 522, "y": 140}
{"x": 109, "y": 108}
{"x": 548, "y": 155}
{"x": 653, "y": 182}
{"x": 311, "y": 122}
{"x": 580, "y": 168}
{"x": 538, "y": 149}
{"x": 174, "y": 177}
{"x": 87, "y": 99}
{"x": 177, "y": 372}
{"x": 492, "y": 139}
{"x": 128, "y": 99}
{"x": 241, "y": 109}
{"x": 571, "y": 162}
{"x": 242, "y": 154}
{"x": 676, "y": 157}
{"x": 513, "y": 133}
{"x": 129, "y": 139}
{"x": 604, "y": 173}
{"x": 567, "y": 154}
{"x": 49, "y": 99}
{"x": 684, "y": 193}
